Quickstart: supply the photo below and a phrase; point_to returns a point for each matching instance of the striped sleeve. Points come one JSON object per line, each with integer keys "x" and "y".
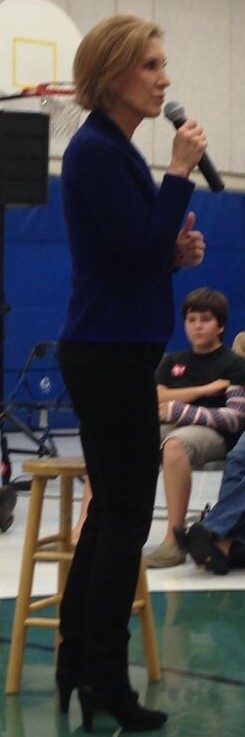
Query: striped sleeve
{"x": 227, "y": 419}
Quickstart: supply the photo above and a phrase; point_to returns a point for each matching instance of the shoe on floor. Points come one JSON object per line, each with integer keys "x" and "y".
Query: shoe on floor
{"x": 8, "y": 498}
{"x": 181, "y": 537}
{"x": 236, "y": 555}
{"x": 201, "y": 544}
{"x": 165, "y": 556}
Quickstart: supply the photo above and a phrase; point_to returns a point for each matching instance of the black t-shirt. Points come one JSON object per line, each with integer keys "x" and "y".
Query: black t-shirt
{"x": 185, "y": 368}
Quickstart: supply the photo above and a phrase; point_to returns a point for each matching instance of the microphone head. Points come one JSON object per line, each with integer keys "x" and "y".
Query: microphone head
{"x": 174, "y": 111}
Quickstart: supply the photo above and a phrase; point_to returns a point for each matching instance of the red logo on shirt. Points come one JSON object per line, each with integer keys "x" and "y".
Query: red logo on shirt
{"x": 178, "y": 369}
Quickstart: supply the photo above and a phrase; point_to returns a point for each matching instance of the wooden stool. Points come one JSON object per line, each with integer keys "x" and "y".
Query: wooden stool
{"x": 37, "y": 549}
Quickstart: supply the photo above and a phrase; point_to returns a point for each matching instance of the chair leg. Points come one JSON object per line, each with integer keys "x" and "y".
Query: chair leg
{"x": 25, "y": 586}
{"x": 148, "y": 627}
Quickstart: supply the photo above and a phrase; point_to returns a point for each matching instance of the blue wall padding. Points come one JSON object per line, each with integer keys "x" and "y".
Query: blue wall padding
{"x": 221, "y": 218}
{"x": 37, "y": 275}
{"x": 37, "y": 270}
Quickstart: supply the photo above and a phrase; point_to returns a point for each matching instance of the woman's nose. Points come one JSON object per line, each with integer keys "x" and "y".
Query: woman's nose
{"x": 163, "y": 78}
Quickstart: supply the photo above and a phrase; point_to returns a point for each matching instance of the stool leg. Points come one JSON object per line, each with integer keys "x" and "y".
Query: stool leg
{"x": 65, "y": 544}
{"x": 65, "y": 530}
{"x": 148, "y": 627}
{"x": 25, "y": 586}
{"x": 14, "y": 718}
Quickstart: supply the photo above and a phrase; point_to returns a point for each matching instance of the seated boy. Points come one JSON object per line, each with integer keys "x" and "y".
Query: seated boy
{"x": 201, "y": 394}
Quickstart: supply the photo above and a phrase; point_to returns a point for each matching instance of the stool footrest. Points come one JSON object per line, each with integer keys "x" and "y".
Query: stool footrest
{"x": 45, "y": 602}
{"x": 52, "y": 556}
{"x": 137, "y": 605}
{"x": 57, "y": 538}
{"x": 50, "y": 622}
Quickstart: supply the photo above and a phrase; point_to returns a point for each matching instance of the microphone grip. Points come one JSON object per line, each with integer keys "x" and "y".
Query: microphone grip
{"x": 205, "y": 165}
{"x": 211, "y": 175}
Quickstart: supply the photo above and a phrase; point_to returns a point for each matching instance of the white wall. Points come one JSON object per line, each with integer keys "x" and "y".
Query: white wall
{"x": 205, "y": 45}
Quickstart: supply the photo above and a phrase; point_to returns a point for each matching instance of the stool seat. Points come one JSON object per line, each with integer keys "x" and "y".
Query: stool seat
{"x": 57, "y": 548}
{"x": 56, "y": 466}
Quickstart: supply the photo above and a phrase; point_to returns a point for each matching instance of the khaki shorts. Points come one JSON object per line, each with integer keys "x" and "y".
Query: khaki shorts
{"x": 202, "y": 444}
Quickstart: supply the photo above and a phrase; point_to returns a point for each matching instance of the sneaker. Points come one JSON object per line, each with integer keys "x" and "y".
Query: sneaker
{"x": 165, "y": 556}
{"x": 236, "y": 555}
{"x": 201, "y": 543}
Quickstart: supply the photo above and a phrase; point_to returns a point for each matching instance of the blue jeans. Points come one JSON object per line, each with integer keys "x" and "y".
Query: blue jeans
{"x": 227, "y": 518}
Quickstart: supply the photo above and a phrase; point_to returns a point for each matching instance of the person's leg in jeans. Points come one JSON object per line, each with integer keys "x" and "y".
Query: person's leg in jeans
{"x": 219, "y": 540}
{"x": 227, "y": 517}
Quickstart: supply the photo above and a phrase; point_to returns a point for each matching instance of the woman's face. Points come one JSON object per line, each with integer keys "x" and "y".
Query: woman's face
{"x": 140, "y": 91}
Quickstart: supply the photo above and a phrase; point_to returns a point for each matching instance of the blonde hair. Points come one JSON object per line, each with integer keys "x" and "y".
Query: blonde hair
{"x": 112, "y": 47}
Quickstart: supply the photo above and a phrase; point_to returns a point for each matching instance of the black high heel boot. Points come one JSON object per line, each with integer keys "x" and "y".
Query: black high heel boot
{"x": 68, "y": 673}
{"x": 123, "y": 706}
{"x": 66, "y": 681}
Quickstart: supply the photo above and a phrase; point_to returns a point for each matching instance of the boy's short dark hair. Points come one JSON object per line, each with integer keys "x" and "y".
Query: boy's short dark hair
{"x": 203, "y": 299}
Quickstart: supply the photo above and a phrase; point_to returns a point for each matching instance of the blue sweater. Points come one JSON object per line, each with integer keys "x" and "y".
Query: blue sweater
{"x": 122, "y": 230}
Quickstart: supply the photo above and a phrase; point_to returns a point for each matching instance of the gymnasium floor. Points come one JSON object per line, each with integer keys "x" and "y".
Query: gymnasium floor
{"x": 200, "y": 630}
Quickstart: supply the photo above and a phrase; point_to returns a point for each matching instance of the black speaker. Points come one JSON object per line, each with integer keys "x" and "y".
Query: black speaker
{"x": 24, "y": 144}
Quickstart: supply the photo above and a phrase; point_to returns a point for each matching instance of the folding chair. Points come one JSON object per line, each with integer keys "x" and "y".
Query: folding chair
{"x": 34, "y": 405}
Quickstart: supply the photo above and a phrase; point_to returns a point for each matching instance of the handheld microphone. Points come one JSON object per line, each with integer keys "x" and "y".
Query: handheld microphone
{"x": 175, "y": 112}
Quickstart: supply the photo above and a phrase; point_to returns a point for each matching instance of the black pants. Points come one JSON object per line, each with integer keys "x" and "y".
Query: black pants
{"x": 112, "y": 389}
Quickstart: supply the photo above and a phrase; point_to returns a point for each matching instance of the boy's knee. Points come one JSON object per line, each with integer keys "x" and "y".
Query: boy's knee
{"x": 173, "y": 450}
